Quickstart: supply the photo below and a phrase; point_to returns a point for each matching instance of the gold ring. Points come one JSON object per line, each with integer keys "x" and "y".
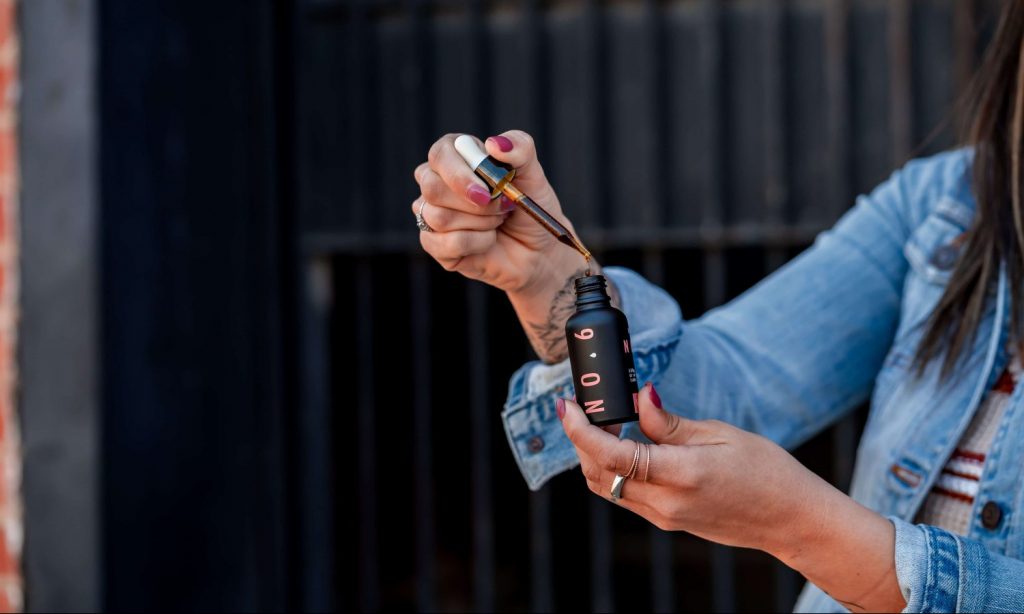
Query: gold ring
{"x": 647, "y": 468}
{"x": 636, "y": 462}
{"x": 620, "y": 480}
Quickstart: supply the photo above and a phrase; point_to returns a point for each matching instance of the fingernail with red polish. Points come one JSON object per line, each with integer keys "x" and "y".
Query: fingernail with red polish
{"x": 507, "y": 204}
{"x": 502, "y": 142}
{"x": 655, "y": 398}
{"x": 478, "y": 195}
{"x": 560, "y": 408}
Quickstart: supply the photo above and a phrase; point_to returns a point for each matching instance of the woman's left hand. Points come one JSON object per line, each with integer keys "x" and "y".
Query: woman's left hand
{"x": 740, "y": 489}
{"x": 705, "y": 477}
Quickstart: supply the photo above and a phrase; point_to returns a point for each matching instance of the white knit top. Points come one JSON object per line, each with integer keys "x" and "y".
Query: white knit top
{"x": 951, "y": 500}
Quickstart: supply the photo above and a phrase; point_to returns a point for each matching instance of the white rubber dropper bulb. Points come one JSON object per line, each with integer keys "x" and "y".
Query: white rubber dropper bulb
{"x": 469, "y": 150}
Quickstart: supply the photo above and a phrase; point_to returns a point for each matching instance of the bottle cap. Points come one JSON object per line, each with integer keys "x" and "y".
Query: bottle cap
{"x": 469, "y": 150}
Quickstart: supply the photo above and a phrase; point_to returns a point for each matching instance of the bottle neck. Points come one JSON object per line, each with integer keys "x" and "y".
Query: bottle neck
{"x": 592, "y": 293}
{"x": 592, "y": 300}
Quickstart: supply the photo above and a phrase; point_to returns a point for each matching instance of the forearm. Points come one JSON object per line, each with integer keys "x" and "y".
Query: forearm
{"x": 844, "y": 548}
{"x": 544, "y": 307}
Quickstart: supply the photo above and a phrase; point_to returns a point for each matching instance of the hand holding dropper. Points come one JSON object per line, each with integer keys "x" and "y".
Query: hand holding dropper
{"x": 498, "y": 176}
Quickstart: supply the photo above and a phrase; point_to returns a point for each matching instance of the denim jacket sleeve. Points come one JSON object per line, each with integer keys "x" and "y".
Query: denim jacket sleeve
{"x": 785, "y": 359}
{"x": 939, "y": 571}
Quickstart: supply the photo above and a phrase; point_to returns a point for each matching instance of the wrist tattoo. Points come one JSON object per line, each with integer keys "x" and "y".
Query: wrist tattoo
{"x": 548, "y": 337}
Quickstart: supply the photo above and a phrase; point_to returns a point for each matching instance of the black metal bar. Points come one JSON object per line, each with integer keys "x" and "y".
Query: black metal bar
{"x": 284, "y": 20}
{"x": 965, "y": 42}
{"x": 423, "y": 449}
{"x": 542, "y": 586}
{"x": 653, "y": 212}
{"x": 723, "y": 579}
{"x": 478, "y": 71}
{"x": 542, "y": 597}
{"x": 314, "y": 421}
{"x": 651, "y": 209}
{"x": 663, "y": 584}
{"x": 837, "y": 50}
{"x": 536, "y": 58}
{"x": 480, "y": 450}
{"x": 358, "y": 56}
{"x": 787, "y": 584}
{"x": 712, "y": 222}
{"x": 844, "y": 449}
{"x": 602, "y": 596}
{"x": 900, "y": 79}
{"x": 369, "y": 582}
{"x": 591, "y": 116}
{"x": 599, "y": 155}
{"x": 776, "y": 187}
{"x": 421, "y": 341}
{"x": 476, "y": 328}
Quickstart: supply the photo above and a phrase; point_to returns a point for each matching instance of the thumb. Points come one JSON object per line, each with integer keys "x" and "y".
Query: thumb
{"x": 659, "y": 425}
{"x": 587, "y": 438}
{"x": 516, "y": 147}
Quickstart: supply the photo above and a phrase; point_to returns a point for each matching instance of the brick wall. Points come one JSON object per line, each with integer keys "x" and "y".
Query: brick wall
{"x": 10, "y": 462}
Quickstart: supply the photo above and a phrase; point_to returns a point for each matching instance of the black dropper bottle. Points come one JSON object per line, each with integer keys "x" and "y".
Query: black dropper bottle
{"x": 601, "y": 355}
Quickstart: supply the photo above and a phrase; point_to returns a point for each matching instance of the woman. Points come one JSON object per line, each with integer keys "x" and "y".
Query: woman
{"x": 914, "y": 299}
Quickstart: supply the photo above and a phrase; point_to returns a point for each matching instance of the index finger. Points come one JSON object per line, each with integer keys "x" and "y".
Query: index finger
{"x": 610, "y": 452}
{"x": 460, "y": 179}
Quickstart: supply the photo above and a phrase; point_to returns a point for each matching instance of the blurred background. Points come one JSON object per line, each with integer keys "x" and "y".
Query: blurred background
{"x": 239, "y": 384}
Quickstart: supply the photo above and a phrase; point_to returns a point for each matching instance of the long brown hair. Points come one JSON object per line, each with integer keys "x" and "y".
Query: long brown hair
{"x": 996, "y": 109}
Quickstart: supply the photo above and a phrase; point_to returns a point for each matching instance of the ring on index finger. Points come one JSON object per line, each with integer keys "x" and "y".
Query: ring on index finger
{"x": 420, "y": 222}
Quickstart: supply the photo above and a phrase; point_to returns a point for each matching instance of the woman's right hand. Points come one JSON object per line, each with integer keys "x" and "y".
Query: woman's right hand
{"x": 499, "y": 244}
{"x": 492, "y": 241}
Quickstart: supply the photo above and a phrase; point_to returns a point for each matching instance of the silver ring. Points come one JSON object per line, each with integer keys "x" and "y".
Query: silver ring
{"x": 617, "y": 484}
{"x": 620, "y": 480}
{"x": 420, "y": 222}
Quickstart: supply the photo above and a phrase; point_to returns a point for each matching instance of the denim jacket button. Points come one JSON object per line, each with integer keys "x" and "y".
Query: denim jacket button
{"x": 536, "y": 444}
{"x": 945, "y": 257}
{"x": 991, "y": 515}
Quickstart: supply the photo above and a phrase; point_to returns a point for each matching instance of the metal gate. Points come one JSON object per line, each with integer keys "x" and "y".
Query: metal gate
{"x": 703, "y": 143}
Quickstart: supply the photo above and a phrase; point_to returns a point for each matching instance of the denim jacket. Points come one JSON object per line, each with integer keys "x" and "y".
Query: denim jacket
{"x": 835, "y": 327}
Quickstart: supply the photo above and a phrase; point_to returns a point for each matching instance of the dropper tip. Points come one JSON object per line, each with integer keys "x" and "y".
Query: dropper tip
{"x": 581, "y": 249}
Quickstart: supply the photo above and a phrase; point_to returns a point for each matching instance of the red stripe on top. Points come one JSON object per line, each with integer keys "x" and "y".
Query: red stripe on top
{"x": 978, "y": 456}
{"x": 965, "y": 476}
{"x": 959, "y": 496}
{"x": 1006, "y": 383}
